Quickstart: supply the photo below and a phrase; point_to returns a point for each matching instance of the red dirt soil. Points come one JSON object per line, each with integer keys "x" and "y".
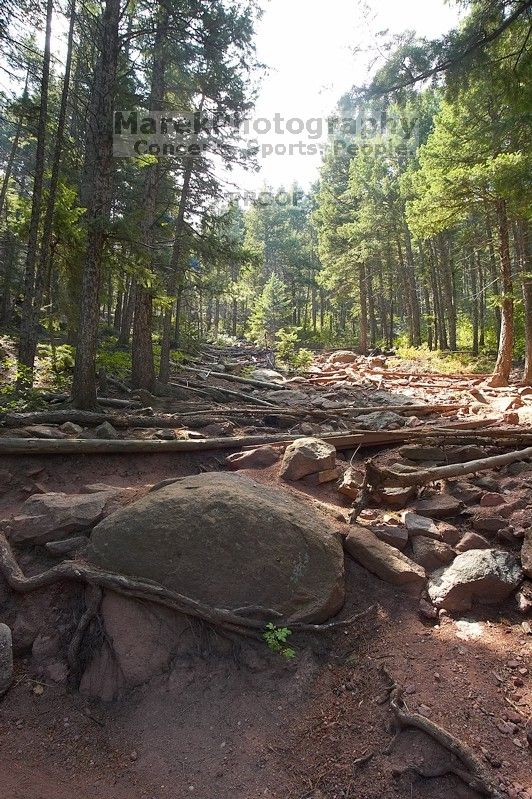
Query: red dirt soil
{"x": 251, "y": 725}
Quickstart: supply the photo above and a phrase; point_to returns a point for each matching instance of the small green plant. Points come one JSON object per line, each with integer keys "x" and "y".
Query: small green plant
{"x": 288, "y": 351}
{"x": 276, "y": 638}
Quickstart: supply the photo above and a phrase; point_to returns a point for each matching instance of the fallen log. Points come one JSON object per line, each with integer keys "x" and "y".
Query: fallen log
{"x": 88, "y": 418}
{"x": 231, "y": 377}
{"x": 347, "y": 440}
{"x": 379, "y": 477}
{"x": 218, "y": 391}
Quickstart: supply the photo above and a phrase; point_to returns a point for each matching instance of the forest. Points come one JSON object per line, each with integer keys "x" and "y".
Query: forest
{"x": 265, "y": 421}
{"x": 414, "y": 236}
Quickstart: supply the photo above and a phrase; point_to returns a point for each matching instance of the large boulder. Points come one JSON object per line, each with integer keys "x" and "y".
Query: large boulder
{"x": 230, "y": 542}
{"x": 307, "y": 456}
{"x": 486, "y": 575}
{"x": 384, "y": 560}
{"x": 54, "y": 516}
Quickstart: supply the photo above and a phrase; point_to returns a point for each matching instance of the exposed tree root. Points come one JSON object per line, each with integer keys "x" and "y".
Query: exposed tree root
{"x": 474, "y": 773}
{"x": 147, "y": 590}
{"x": 93, "y": 599}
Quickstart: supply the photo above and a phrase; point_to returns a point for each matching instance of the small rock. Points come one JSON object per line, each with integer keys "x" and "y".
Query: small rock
{"x": 428, "y": 611}
{"x": 343, "y": 356}
{"x": 384, "y": 560}
{"x": 420, "y": 525}
{"x": 439, "y": 506}
{"x": 488, "y": 522}
{"x": 287, "y": 397}
{"x": 54, "y": 516}
{"x": 393, "y": 534}
{"x": 520, "y": 467}
{"x": 71, "y": 429}
{"x": 329, "y": 475}
{"x": 218, "y": 429}
{"x": 396, "y": 498}
{"x": 472, "y": 541}
{"x": 262, "y": 456}
{"x": 306, "y": 429}
{"x": 487, "y": 483}
{"x": 449, "y": 533}
{"x": 44, "y": 431}
{"x": 351, "y": 482}
{"x": 431, "y": 554}
{"x": 524, "y": 598}
{"x": 166, "y": 434}
{"x": 56, "y": 671}
{"x": 268, "y": 376}
{"x": 307, "y": 456}
{"x": 526, "y": 553}
{"x": 380, "y": 420}
{"x": 67, "y": 547}
{"x": 491, "y": 500}
{"x": 486, "y": 575}
{"x": 6, "y": 658}
{"x": 511, "y": 418}
{"x": 106, "y": 431}
{"x": 465, "y": 492}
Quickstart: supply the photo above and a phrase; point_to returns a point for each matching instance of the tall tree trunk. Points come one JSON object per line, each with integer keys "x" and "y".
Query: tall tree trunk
{"x": 47, "y": 229}
{"x": 9, "y": 254}
{"x": 494, "y": 272}
{"x": 412, "y": 289}
{"x": 363, "y": 329}
{"x": 27, "y": 320}
{"x": 175, "y": 278}
{"x": 503, "y": 366}
{"x": 447, "y": 288}
{"x": 143, "y": 367}
{"x": 98, "y": 161}
{"x": 14, "y": 147}
{"x": 523, "y": 237}
{"x": 127, "y": 315}
{"x": 481, "y": 302}
{"x": 474, "y": 301}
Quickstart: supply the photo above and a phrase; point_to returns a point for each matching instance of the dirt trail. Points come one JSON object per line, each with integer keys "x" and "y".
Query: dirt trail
{"x": 247, "y": 724}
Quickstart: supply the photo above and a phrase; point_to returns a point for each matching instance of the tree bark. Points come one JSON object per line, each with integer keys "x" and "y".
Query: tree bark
{"x": 98, "y": 163}
{"x": 47, "y": 229}
{"x": 14, "y": 147}
{"x": 29, "y": 311}
{"x": 503, "y": 366}
{"x": 175, "y": 268}
{"x": 143, "y": 367}
{"x": 363, "y": 328}
{"x": 523, "y": 234}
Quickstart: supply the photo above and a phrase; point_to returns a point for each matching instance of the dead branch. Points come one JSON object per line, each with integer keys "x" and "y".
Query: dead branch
{"x": 420, "y": 477}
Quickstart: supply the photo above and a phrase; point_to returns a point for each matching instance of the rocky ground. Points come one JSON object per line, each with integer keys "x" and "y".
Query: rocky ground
{"x": 199, "y": 711}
